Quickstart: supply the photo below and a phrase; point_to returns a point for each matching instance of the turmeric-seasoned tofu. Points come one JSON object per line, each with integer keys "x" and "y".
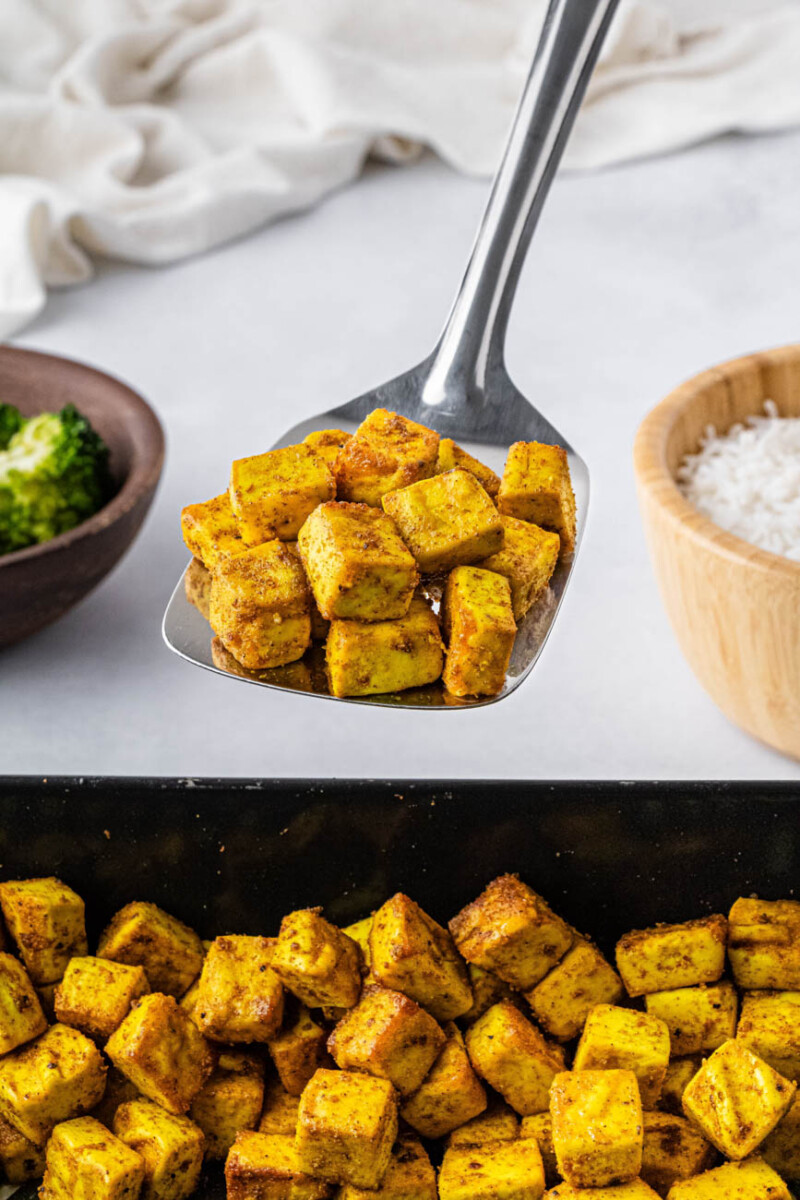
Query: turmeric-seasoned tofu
{"x": 764, "y": 944}
{"x": 298, "y": 1048}
{"x": 21, "y": 1015}
{"x": 540, "y": 1126}
{"x": 160, "y": 1049}
{"x": 60, "y": 1075}
{"x": 240, "y": 997}
{"x": 413, "y": 954}
{"x": 770, "y": 1027}
{"x": 387, "y": 452}
{"x": 536, "y": 487}
{"x": 369, "y": 657}
{"x": 679, "y": 1072}
{"x": 446, "y": 521}
{"x": 197, "y": 586}
{"x": 497, "y": 1123}
{"x": 409, "y": 1176}
{"x": 346, "y": 1127}
{"x": 673, "y": 1150}
{"x": 621, "y": 1038}
{"x": 143, "y": 935}
{"x": 514, "y": 1057}
{"x": 230, "y": 1101}
{"x": 84, "y": 1159}
{"x": 562, "y": 1000}
{"x": 597, "y": 1127}
{"x": 96, "y": 994}
{"x": 326, "y": 444}
{"x": 527, "y": 559}
{"x": 487, "y": 989}
{"x": 451, "y": 1093}
{"x": 266, "y": 1166}
{"x": 781, "y": 1149}
{"x": 360, "y": 932}
{"x": 698, "y": 1018}
{"x": 672, "y": 956}
{"x": 452, "y": 455}
{"x": 260, "y": 606}
{"x": 170, "y": 1146}
{"x": 210, "y": 530}
{"x": 501, "y": 1171}
{"x": 20, "y": 1159}
{"x": 279, "y": 1112}
{"x": 46, "y": 920}
{"x": 480, "y": 630}
{"x": 359, "y": 567}
{"x": 272, "y": 494}
{"x": 637, "y": 1189}
{"x": 736, "y": 1099}
{"x": 316, "y": 961}
{"x": 511, "y": 931}
{"x": 750, "y": 1180}
{"x": 388, "y": 1034}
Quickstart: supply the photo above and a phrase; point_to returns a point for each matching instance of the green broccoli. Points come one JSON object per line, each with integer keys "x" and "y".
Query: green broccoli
{"x": 11, "y": 419}
{"x": 53, "y": 475}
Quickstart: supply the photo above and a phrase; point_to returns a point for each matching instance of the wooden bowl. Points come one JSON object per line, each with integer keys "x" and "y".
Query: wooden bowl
{"x": 41, "y": 583}
{"x": 735, "y": 609}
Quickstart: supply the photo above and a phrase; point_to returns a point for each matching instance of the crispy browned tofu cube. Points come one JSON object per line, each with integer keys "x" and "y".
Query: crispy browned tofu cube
{"x": 480, "y": 630}
{"x": 197, "y": 586}
{"x": 230, "y": 1101}
{"x": 514, "y": 1057}
{"x": 637, "y": 1189}
{"x": 240, "y": 997}
{"x": 84, "y": 1159}
{"x": 764, "y": 944}
{"x": 540, "y": 1126}
{"x": 373, "y": 657}
{"x": 260, "y": 606}
{"x": 500, "y": 1171}
{"x": 413, "y": 954}
{"x": 58, "y": 1076}
{"x": 21, "y": 1015}
{"x": 210, "y": 530}
{"x": 770, "y": 1027}
{"x": 698, "y": 1018}
{"x": 452, "y": 455}
{"x": 622, "y": 1039}
{"x": 119, "y": 1090}
{"x": 487, "y": 989}
{"x": 409, "y": 1176}
{"x": 676, "y": 1080}
{"x": 96, "y": 994}
{"x": 672, "y": 956}
{"x": 750, "y": 1180}
{"x": 272, "y": 494}
{"x": 597, "y": 1127}
{"x": 346, "y": 1127}
{"x": 562, "y": 1000}
{"x": 295, "y": 675}
{"x": 536, "y": 486}
{"x": 446, "y": 521}
{"x": 451, "y": 1093}
{"x": 511, "y": 931}
{"x": 781, "y": 1149}
{"x": 20, "y": 1159}
{"x": 46, "y": 920}
{"x": 266, "y": 1166}
{"x": 298, "y": 1048}
{"x": 527, "y": 559}
{"x": 279, "y": 1113}
{"x": 143, "y": 935}
{"x": 736, "y": 1099}
{"x": 359, "y": 567}
{"x": 170, "y": 1146}
{"x": 387, "y": 1034}
{"x": 387, "y": 452}
{"x": 326, "y": 444}
{"x": 497, "y": 1123}
{"x": 160, "y": 1049}
{"x": 673, "y": 1150}
{"x": 316, "y": 961}
{"x": 360, "y": 931}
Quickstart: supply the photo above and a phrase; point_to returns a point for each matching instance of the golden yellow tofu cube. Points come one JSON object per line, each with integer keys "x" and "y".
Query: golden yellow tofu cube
{"x": 536, "y": 486}
{"x": 266, "y": 1166}
{"x": 673, "y": 1150}
{"x": 562, "y": 1000}
{"x": 409, "y": 1176}
{"x": 170, "y": 1146}
{"x": 46, "y": 920}
{"x": 770, "y": 1027}
{"x": 497, "y": 1123}
{"x": 84, "y": 1159}
{"x": 197, "y": 586}
{"x": 413, "y": 954}
{"x": 279, "y": 1113}
{"x": 96, "y": 994}
{"x": 240, "y": 997}
{"x": 781, "y": 1149}
{"x": 359, "y": 567}
{"x": 511, "y": 931}
{"x": 143, "y": 935}
{"x": 316, "y": 961}
{"x": 637, "y": 1189}
{"x": 369, "y": 657}
{"x": 764, "y": 944}
{"x": 527, "y": 559}
{"x": 360, "y": 931}
{"x": 500, "y": 1171}
{"x": 540, "y": 1126}
{"x": 736, "y": 1099}
{"x": 597, "y": 1127}
{"x": 299, "y": 1048}
{"x": 326, "y": 443}
{"x": 451, "y": 1093}
{"x": 698, "y": 1018}
{"x": 387, "y": 452}
{"x": 21, "y": 1015}
{"x": 230, "y": 1101}
{"x": 672, "y": 956}
{"x": 480, "y": 630}
{"x": 259, "y": 606}
{"x": 452, "y": 455}
{"x": 346, "y": 1127}
{"x": 210, "y": 530}
{"x": 119, "y": 1090}
{"x": 20, "y": 1159}
{"x": 160, "y": 1049}
{"x": 626, "y": 1040}
{"x": 272, "y": 494}
{"x": 446, "y": 521}
{"x": 487, "y": 989}
{"x": 514, "y": 1057}
{"x": 750, "y": 1180}
{"x": 679, "y": 1072}
{"x": 387, "y": 1034}
{"x": 60, "y": 1075}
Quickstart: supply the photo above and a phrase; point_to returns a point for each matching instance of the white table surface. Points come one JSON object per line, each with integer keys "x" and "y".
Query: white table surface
{"x": 638, "y": 278}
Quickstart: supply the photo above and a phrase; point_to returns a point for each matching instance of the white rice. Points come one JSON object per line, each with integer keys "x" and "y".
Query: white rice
{"x": 748, "y": 481}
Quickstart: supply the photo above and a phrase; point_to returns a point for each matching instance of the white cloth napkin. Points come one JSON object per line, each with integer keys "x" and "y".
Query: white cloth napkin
{"x": 152, "y": 129}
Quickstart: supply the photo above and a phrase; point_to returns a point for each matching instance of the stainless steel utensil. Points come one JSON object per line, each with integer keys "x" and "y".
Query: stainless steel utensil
{"x": 463, "y": 389}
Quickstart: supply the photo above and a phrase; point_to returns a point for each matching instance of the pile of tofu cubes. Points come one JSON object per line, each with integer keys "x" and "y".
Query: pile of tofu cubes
{"x": 336, "y": 540}
{"x": 349, "y": 1063}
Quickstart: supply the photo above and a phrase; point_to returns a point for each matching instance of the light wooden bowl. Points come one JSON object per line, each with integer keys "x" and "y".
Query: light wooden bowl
{"x": 735, "y": 609}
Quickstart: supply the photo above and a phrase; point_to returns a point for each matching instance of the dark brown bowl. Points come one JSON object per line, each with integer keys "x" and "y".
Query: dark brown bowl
{"x": 41, "y": 583}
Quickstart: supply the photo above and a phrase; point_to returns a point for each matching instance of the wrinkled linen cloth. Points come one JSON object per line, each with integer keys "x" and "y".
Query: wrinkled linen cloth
{"x": 148, "y": 130}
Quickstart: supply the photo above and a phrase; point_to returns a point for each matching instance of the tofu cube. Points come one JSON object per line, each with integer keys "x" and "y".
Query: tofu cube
{"x": 409, "y": 1176}
{"x": 679, "y": 1072}
{"x": 698, "y": 1018}
{"x": 451, "y": 1093}
{"x": 210, "y": 531}
{"x": 346, "y": 1127}
{"x": 672, "y": 956}
{"x": 446, "y": 521}
{"x": 369, "y": 657}
{"x": 751, "y": 1180}
{"x": 260, "y": 606}
{"x": 240, "y": 997}
{"x": 266, "y": 1166}
{"x": 162, "y": 1052}
{"x": 316, "y": 961}
{"x": 770, "y": 1027}
{"x": 387, "y": 452}
{"x": 511, "y": 931}
{"x": 46, "y": 920}
{"x": 272, "y": 494}
{"x": 357, "y": 564}
{"x": 413, "y": 954}
{"x": 480, "y": 630}
{"x": 781, "y": 1149}
{"x": 673, "y": 1150}
{"x": 620, "y": 1038}
{"x": 764, "y": 944}
{"x": 637, "y": 1189}
{"x": 497, "y": 1123}
{"x": 536, "y": 487}
{"x": 299, "y": 1048}
{"x": 143, "y": 935}
{"x": 562, "y": 1001}
{"x": 60, "y": 1075}
{"x": 230, "y": 1101}
{"x": 540, "y": 1126}
{"x": 197, "y": 586}
{"x": 21, "y": 1015}
{"x": 389, "y": 1035}
{"x": 20, "y": 1159}
{"x": 96, "y": 995}
{"x": 597, "y": 1127}
{"x": 85, "y": 1160}
{"x": 736, "y": 1099}
{"x": 170, "y": 1146}
{"x": 279, "y": 1113}
{"x": 527, "y": 559}
{"x": 499, "y": 1171}
{"x": 514, "y": 1057}
{"x": 360, "y": 932}
{"x": 326, "y": 444}
{"x": 451, "y": 455}
{"x": 487, "y": 989}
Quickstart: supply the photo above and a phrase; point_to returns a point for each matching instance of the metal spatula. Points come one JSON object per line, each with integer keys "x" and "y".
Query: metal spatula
{"x": 462, "y": 390}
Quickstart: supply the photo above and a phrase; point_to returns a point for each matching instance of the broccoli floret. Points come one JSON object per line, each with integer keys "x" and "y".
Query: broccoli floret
{"x": 11, "y": 419}
{"x": 53, "y": 475}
